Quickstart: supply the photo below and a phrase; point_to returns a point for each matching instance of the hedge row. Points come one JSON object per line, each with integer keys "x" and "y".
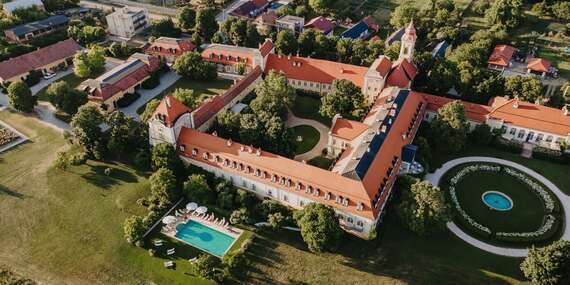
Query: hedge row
{"x": 127, "y": 99}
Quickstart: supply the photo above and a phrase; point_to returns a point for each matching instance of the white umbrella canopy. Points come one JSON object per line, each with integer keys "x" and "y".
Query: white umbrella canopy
{"x": 201, "y": 210}
{"x": 169, "y": 219}
{"x": 191, "y": 206}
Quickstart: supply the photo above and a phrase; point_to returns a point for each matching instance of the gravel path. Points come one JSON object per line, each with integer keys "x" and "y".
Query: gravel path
{"x": 323, "y": 130}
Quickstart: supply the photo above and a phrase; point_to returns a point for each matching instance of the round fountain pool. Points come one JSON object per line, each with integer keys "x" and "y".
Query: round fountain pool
{"x": 497, "y": 201}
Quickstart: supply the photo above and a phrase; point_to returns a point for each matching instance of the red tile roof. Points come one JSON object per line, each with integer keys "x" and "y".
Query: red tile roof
{"x": 474, "y": 112}
{"x": 37, "y": 59}
{"x": 229, "y": 54}
{"x": 266, "y": 47}
{"x": 501, "y": 55}
{"x": 306, "y": 174}
{"x": 538, "y": 64}
{"x": 375, "y": 39}
{"x": 384, "y": 66}
{"x": 169, "y": 110}
{"x": 348, "y": 129}
{"x": 212, "y": 106}
{"x": 170, "y": 46}
{"x": 321, "y": 23}
{"x": 371, "y": 23}
{"x": 403, "y": 72}
{"x": 315, "y": 70}
{"x": 259, "y": 3}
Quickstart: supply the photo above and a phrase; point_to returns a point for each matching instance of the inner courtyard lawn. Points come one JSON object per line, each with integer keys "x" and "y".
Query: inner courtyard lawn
{"x": 525, "y": 216}
{"x": 307, "y": 107}
{"x": 201, "y": 88}
{"x": 309, "y": 138}
{"x": 321, "y": 161}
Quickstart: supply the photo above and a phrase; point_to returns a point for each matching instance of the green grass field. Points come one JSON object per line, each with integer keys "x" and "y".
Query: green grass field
{"x": 201, "y": 88}
{"x": 310, "y": 137}
{"x": 321, "y": 161}
{"x": 307, "y": 107}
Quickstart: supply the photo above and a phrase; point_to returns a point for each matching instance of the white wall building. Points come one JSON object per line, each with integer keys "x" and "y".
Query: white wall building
{"x": 127, "y": 21}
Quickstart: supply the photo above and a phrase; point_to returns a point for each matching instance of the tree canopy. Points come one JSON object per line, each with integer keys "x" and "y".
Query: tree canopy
{"x": 86, "y": 130}
{"x": 65, "y": 98}
{"x": 88, "y": 63}
{"x": 206, "y": 24}
{"x": 505, "y": 12}
{"x": 345, "y": 99}
{"x": 548, "y": 265}
{"x": 196, "y": 189}
{"x": 192, "y": 66}
{"x": 403, "y": 14}
{"x": 525, "y": 88}
{"x": 20, "y": 97}
{"x": 163, "y": 186}
{"x": 320, "y": 227}
{"x": 286, "y": 42}
{"x": 164, "y": 156}
{"x": 449, "y": 129}
{"x": 186, "y": 17}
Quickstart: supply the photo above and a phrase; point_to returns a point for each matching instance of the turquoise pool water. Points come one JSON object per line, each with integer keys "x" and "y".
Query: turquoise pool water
{"x": 497, "y": 201}
{"x": 204, "y": 238}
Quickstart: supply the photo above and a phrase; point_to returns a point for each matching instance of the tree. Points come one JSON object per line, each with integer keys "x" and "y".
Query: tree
{"x": 525, "y": 88}
{"x": 307, "y": 42}
{"x": 134, "y": 228}
{"x": 321, "y": 6}
{"x": 442, "y": 76}
{"x": 206, "y": 24}
{"x": 205, "y": 266}
{"x": 149, "y": 109}
{"x": 253, "y": 38}
{"x": 29, "y": 14}
{"x": 125, "y": 134}
{"x": 274, "y": 94}
{"x": 54, "y": 5}
{"x": 505, "y": 12}
{"x": 320, "y": 227}
{"x": 344, "y": 49}
{"x": 561, "y": 10}
{"x": 449, "y": 129}
{"x": 226, "y": 195}
{"x": 423, "y": 208}
{"x": 403, "y": 14}
{"x": 345, "y": 99}
{"x": 481, "y": 134}
{"x": 393, "y": 50}
{"x": 326, "y": 47}
{"x": 192, "y": 66}
{"x": 186, "y": 18}
{"x": 286, "y": 42}
{"x": 240, "y": 216}
{"x": 237, "y": 33}
{"x": 250, "y": 132}
{"x": 196, "y": 189}
{"x": 548, "y": 265}
{"x": 85, "y": 34}
{"x": 20, "y": 97}
{"x": 65, "y": 98}
{"x": 276, "y": 220}
{"x": 86, "y": 130}
{"x": 227, "y": 124}
{"x": 163, "y": 186}
{"x": 246, "y": 199}
{"x": 90, "y": 62}
{"x": 424, "y": 153}
{"x": 164, "y": 28}
{"x": 164, "y": 156}
{"x": 186, "y": 97}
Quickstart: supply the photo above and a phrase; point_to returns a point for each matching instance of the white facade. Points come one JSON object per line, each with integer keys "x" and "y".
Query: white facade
{"x": 289, "y": 22}
{"x": 127, "y": 21}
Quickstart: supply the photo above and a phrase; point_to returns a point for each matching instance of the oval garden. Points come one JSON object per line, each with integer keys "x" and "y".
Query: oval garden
{"x": 503, "y": 206}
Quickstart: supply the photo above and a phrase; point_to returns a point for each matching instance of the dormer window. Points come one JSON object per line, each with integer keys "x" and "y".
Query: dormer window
{"x": 220, "y": 56}
{"x": 282, "y": 180}
{"x": 309, "y": 190}
{"x": 240, "y": 167}
{"x": 345, "y": 202}
{"x": 257, "y": 172}
{"x": 194, "y": 151}
{"x": 274, "y": 178}
{"x": 234, "y": 164}
{"x": 182, "y": 147}
{"x": 338, "y": 199}
{"x": 226, "y": 162}
{"x": 298, "y": 186}
{"x": 218, "y": 159}
{"x": 317, "y": 192}
{"x": 328, "y": 196}
{"x": 205, "y": 156}
{"x": 360, "y": 206}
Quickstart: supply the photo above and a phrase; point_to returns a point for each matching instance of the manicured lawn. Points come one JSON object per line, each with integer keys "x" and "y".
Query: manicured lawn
{"x": 201, "y": 88}
{"x": 71, "y": 79}
{"x": 307, "y": 107}
{"x": 396, "y": 257}
{"x": 556, "y": 173}
{"x": 321, "y": 161}
{"x": 65, "y": 227}
{"x": 309, "y": 138}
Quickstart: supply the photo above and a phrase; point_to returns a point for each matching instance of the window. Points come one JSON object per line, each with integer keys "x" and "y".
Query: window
{"x": 298, "y": 186}
{"x": 234, "y": 164}
{"x": 349, "y": 219}
{"x": 345, "y": 202}
{"x": 205, "y": 156}
{"x": 540, "y": 137}
{"x": 226, "y": 162}
{"x": 360, "y": 206}
{"x": 549, "y": 138}
{"x": 338, "y": 199}
{"x": 309, "y": 190}
{"x": 359, "y": 224}
{"x": 503, "y": 129}
{"x": 285, "y": 198}
{"x": 521, "y": 134}
{"x": 328, "y": 196}
{"x": 513, "y": 131}
{"x": 269, "y": 192}
{"x": 274, "y": 178}
{"x": 530, "y": 136}
{"x": 257, "y": 172}
{"x": 317, "y": 192}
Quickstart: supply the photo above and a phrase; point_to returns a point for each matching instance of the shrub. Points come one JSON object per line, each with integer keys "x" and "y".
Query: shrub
{"x": 33, "y": 78}
{"x": 134, "y": 229}
{"x": 152, "y": 252}
{"x": 127, "y": 99}
{"x": 151, "y": 82}
{"x": 78, "y": 158}
{"x": 240, "y": 216}
{"x": 62, "y": 161}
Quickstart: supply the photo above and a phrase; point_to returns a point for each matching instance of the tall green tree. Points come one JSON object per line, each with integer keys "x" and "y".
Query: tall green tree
{"x": 88, "y": 63}
{"x": 86, "y": 130}
{"x": 286, "y": 42}
{"x": 345, "y": 99}
{"x": 163, "y": 186}
{"x": 320, "y": 227}
{"x": 164, "y": 156}
{"x": 186, "y": 97}
{"x": 549, "y": 265}
{"x": 206, "y": 24}
{"x": 525, "y": 88}
{"x": 307, "y": 42}
{"x": 449, "y": 129}
{"x": 321, "y": 6}
{"x": 393, "y": 50}
{"x": 274, "y": 94}
{"x": 505, "y": 12}
{"x": 134, "y": 228}
{"x": 125, "y": 134}
{"x": 20, "y": 97}
{"x": 196, "y": 189}
{"x": 164, "y": 28}
{"x": 192, "y": 66}
{"x": 65, "y": 98}
{"x": 423, "y": 208}
{"x": 251, "y": 131}
{"x": 403, "y": 14}
{"x": 149, "y": 109}
{"x": 186, "y": 18}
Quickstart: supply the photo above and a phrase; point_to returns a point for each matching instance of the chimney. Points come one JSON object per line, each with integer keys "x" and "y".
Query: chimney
{"x": 566, "y": 109}
{"x": 229, "y": 143}
{"x": 289, "y": 57}
{"x": 342, "y": 70}
{"x": 516, "y": 104}
{"x": 168, "y": 105}
{"x": 258, "y": 152}
{"x": 214, "y": 133}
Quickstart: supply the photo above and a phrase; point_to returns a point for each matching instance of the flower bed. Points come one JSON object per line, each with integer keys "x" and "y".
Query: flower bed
{"x": 550, "y": 224}
{"x": 6, "y": 136}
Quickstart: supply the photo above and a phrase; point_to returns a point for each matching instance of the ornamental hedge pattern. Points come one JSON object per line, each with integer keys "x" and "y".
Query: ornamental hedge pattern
{"x": 549, "y": 203}
{"x": 6, "y": 136}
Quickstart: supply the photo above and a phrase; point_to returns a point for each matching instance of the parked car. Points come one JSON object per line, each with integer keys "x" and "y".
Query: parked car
{"x": 49, "y": 75}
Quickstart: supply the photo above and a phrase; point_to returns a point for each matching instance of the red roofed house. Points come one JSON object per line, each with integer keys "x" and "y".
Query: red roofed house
{"x": 371, "y": 23}
{"x": 342, "y": 133}
{"x": 266, "y": 22}
{"x": 501, "y": 57}
{"x": 321, "y": 24}
{"x": 168, "y": 49}
{"x": 48, "y": 60}
{"x": 167, "y": 120}
{"x": 538, "y": 66}
{"x": 115, "y": 83}
{"x": 402, "y": 74}
{"x": 234, "y": 59}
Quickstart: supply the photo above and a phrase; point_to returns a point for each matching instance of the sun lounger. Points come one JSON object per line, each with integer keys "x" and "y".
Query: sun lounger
{"x": 168, "y": 264}
{"x": 193, "y": 259}
{"x": 170, "y": 251}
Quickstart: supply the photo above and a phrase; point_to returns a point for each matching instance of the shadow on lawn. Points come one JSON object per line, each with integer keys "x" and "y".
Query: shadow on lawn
{"x": 5, "y": 191}
{"x": 97, "y": 176}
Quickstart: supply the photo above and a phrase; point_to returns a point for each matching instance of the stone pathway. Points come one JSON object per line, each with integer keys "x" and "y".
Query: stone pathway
{"x": 323, "y": 130}
{"x": 435, "y": 178}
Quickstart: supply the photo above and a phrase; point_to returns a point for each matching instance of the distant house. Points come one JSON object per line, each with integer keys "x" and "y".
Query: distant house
{"x": 266, "y": 22}
{"x": 538, "y": 66}
{"x": 501, "y": 57}
{"x": 168, "y": 49}
{"x": 250, "y": 9}
{"x": 127, "y": 21}
{"x": 289, "y": 22}
{"x": 26, "y": 32}
{"x": 357, "y": 32}
{"x": 439, "y": 50}
{"x": 47, "y": 60}
{"x": 108, "y": 88}
{"x": 321, "y": 24}
{"x": 21, "y": 4}
{"x": 229, "y": 58}
{"x": 371, "y": 23}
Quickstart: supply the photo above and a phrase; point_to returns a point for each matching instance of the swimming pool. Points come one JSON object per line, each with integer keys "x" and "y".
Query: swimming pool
{"x": 204, "y": 238}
